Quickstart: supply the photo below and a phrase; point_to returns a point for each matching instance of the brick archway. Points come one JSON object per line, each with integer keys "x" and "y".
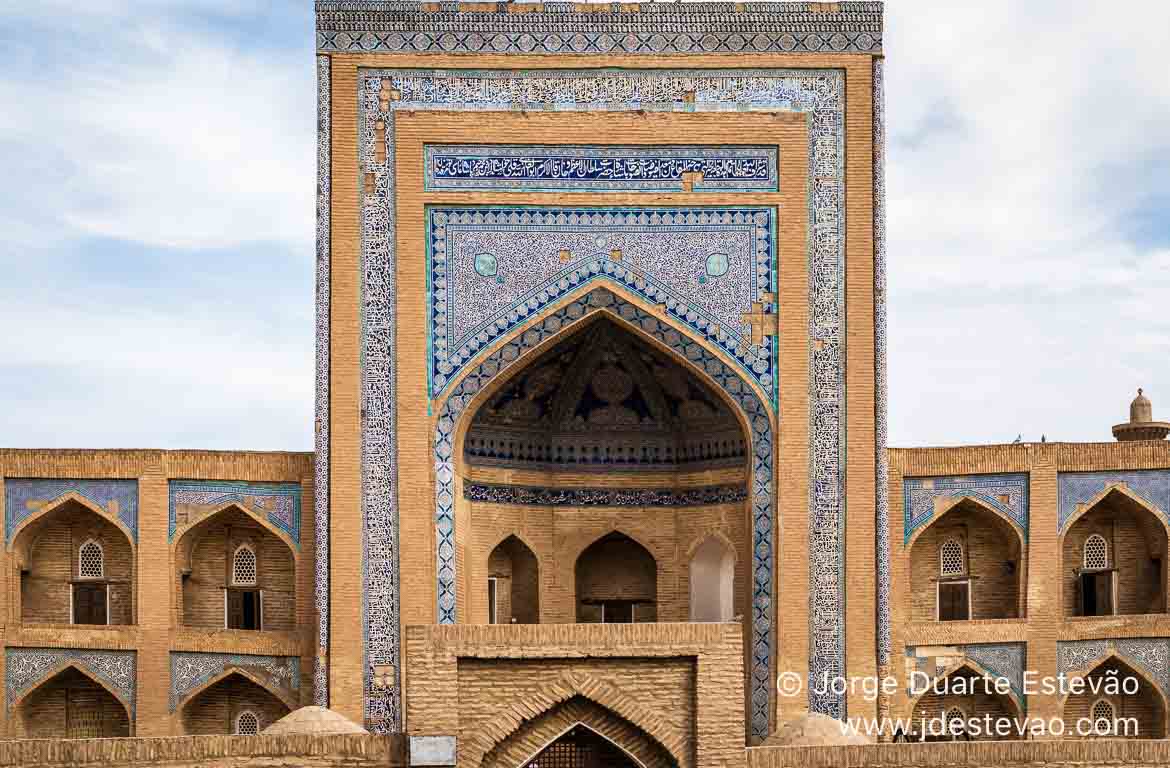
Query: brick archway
{"x": 259, "y": 696}
{"x": 113, "y": 714}
{"x": 1149, "y": 689}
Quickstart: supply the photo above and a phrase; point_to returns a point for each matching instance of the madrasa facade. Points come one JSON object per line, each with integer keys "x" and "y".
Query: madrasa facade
{"x": 600, "y": 432}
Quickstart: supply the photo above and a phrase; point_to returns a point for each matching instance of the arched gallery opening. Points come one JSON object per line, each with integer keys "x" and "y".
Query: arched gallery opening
{"x": 968, "y": 564}
{"x": 963, "y": 694}
{"x": 1112, "y": 713}
{"x": 514, "y": 584}
{"x": 603, "y": 479}
{"x": 71, "y": 705}
{"x": 234, "y": 705}
{"x": 1114, "y": 559}
{"x": 234, "y": 573}
{"x": 75, "y": 567}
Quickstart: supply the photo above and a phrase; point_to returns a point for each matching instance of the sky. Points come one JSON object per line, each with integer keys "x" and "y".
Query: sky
{"x": 156, "y": 232}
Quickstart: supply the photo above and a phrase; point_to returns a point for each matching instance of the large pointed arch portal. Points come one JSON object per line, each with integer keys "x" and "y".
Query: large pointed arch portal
{"x": 754, "y": 414}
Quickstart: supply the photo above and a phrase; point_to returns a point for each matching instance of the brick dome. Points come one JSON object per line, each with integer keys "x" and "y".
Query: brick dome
{"x": 317, "y": 720}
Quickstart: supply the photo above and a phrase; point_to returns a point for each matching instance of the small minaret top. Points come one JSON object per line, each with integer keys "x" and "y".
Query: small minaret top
{"x": 1141, "y": 425}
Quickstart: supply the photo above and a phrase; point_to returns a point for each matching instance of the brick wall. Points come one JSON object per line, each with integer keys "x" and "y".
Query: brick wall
{"x": 1031, "y": 754}
{"x": 215, "y": 709}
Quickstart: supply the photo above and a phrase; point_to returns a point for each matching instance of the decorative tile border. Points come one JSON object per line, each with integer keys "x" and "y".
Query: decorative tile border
{"x": 321, "y": 409}
{"x": 755, "y": 412}
{"x": 1005, "y": 493}
{"x": 820, "y": 94}
{"x": 26, "y": 668}
{"x": 278, "y": 503}
{"x": 1151, "y": 655}
{"x": 562, "y": 27}
{"x": 881, "y": 383}
{"x": 191, "y": 670}
{"x": 599, "y": 168}
{"x": 1079, "y": 488}
{"x": 25, "y": 497}
{"x": 493, "y": 268}
{"x": 604, "y": 497}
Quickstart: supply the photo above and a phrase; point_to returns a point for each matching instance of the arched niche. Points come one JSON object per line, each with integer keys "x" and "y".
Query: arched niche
{"x": 971, "y": 690}
{"x": 617, "y": 581}
{"x": 514, "y": 583}
{"x": 1145, "y": 707}
{"x": 992, "y": 568}
{"x": 1127, "y": 575}
{"x": 56, "y": 586}
{"x": 216, "y": 709}
{"x": 712, "y": 581}
{"x": 211, "y": 593}
{"x": 71, "y": 705}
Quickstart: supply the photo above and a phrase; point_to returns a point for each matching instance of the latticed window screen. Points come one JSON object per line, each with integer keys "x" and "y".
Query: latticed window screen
{"x": 247, "y": 724}
{"x": 951, "y": 558}
{"x": 1096, "y": 553}
{"x": 91, "y": 561}
{"x": 244, "y": 567}
{"x": 1103, "y": 711}
{"x": 955, "y": 720}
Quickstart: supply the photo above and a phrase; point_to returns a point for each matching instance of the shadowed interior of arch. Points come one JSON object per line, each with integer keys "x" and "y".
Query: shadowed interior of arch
{"x": 1114, "y": 560}
{"x": 969, "y": 563}
{"x": 1141, "y": 704}
{"x": 71, "y": 705}
{"x": 217, "y": 708}
{"x": 968, "y": 690}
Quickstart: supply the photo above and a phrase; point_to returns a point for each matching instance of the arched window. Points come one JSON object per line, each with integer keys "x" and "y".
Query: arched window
{"x": 1096, "y": 553}
{"x": 956, "y": 720}
{"x": 1103, "y": 716}
{"x": 247, "y": 724}
{"x": 950, "y": 557}
{"x": 91, "y": 561}
{"x": 244, "y": 567}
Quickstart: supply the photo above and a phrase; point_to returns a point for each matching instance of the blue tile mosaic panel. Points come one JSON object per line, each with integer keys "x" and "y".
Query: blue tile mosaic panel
{"x": 26, "y": 668}
{"x": 755, "y": 412}
{"x": 599, "y": 168}
{"x": 278, "y": 503}
{"x": 24, "y": 497}
{"x": 321, "y": 409}
{"x": 1000, "y": 660}
{"x": 191, "y": 670}
{"x": 1079, "y": 488}
{"x": 1007, "y": 494}
{"x": 493, "y": 268}
{"x": 604, "y": 497}
{"x": 1151, "y": 656}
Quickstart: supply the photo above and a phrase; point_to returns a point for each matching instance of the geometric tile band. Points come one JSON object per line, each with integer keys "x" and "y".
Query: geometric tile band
{"x": 881, "y": 384}
{"x": 191, "y": 670}
{"x": 818, "y": 93}
{"x": 321, "y": 431}
{"x": 604, "y": 497}
{"x": 115, "y": 498}
{"x": 1151, "y": 656}
{"x": 559, "y": 27}
{"x": 278, "y": 503}
{"x": 26, "y": 668}
{"x": 513, "y": 353}
{"x": 1007, "y": 494}
{"x": 1079, "y": 488}
{"x": 601, "y": 168}
{"x": 493, "y": 268}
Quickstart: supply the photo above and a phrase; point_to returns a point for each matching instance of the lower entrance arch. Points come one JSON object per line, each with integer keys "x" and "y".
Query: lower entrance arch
{"x": 579, "y": 733}
{"x": 71, "y": 705}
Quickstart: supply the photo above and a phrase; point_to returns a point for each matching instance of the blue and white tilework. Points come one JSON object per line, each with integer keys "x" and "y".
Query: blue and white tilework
{"x": 191, "y": 670}
{"x": 538, "y": 255}
{"x": 1151, "y": 655}
{"x": 881, "y": 383}
{"x": 754, "y": 410}
{"x": 321, "y": 412}
{"x": 558, "y": 27}
{"x": 278, "y": 503}
{"x": 26, "y": 668}
{"x": 1079, "y": 488}
{"x": 1007, "y": 494}
{"x": 23, "y": 498}
{"x": 1000, "y": 660}
{"x": 601, "y": 168}
{"x": 819, "y": 94}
